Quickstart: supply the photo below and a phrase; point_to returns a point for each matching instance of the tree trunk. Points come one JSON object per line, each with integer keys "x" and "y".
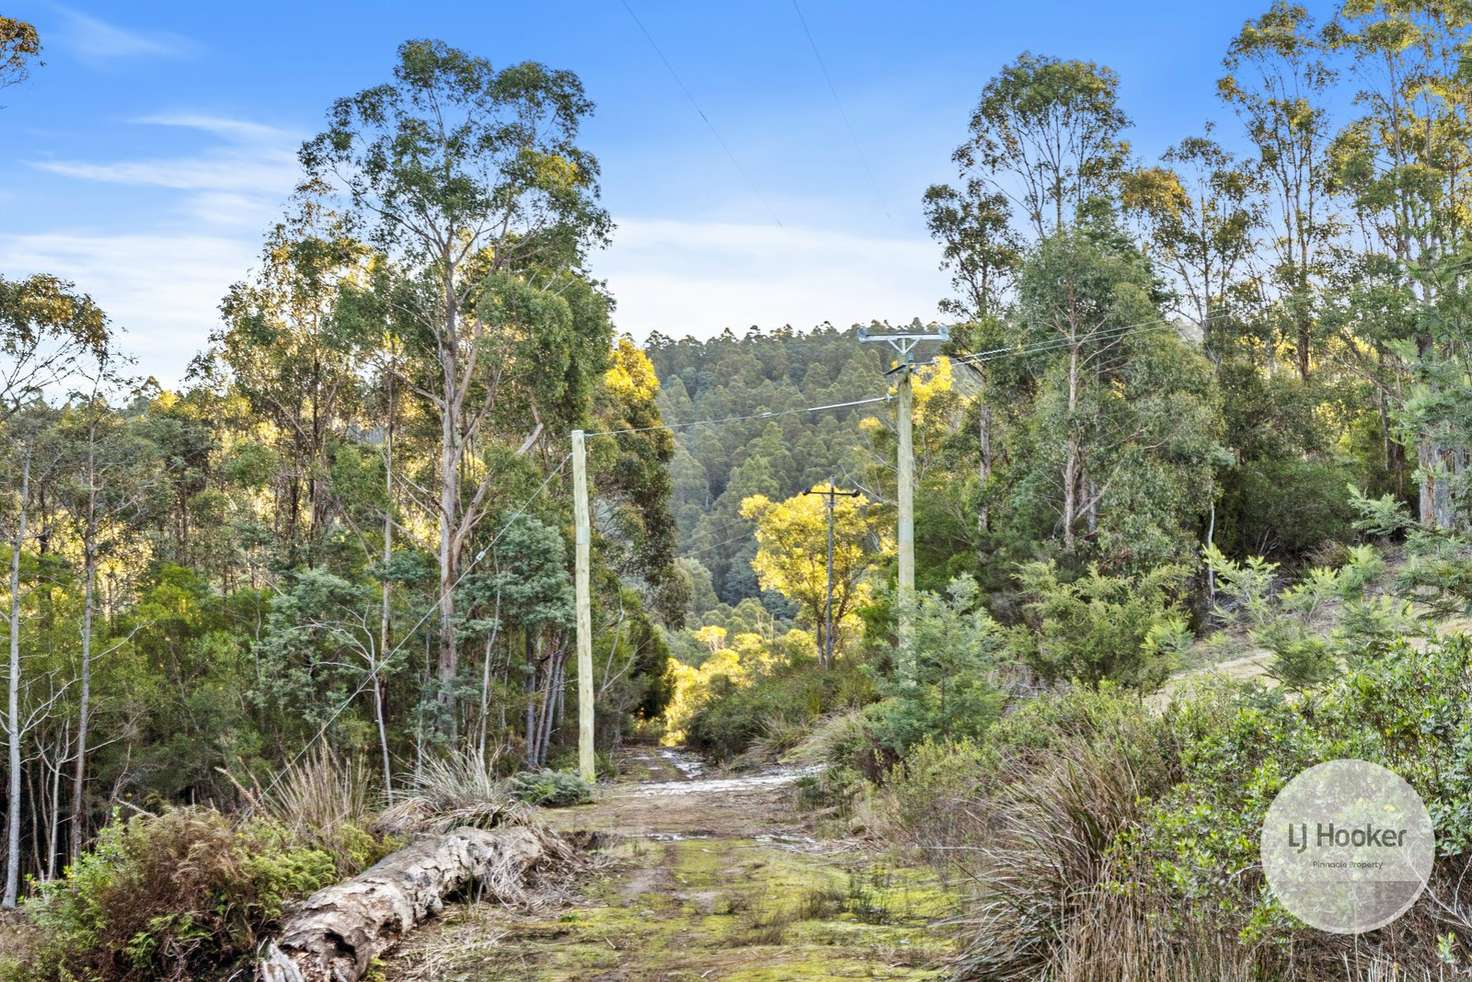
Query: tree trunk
{"x": 12, "y": 717}
{"x": 53, "y": 818}
{"x": 1436, "y": 494}
{"x": 84, "y": 697}
{"x": 338, "y": 932}
{"x": 485, "y": 683}
{"x": 449, "y": 479}
{"x": 984, "y": 470}
{"x": 531, "y": 705}
{"x": 1072, "y": 452}
{"x": 385, "y": 610}
{"x": 450, "y": 449}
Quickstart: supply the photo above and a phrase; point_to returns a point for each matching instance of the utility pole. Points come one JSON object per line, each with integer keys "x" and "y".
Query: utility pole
{"x": 583, "y": 535}
{"x": 904, "y": 344}
{"x": 830, "y": 493}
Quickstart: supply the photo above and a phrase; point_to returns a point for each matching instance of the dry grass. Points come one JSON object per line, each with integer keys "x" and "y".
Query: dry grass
{"x": 842, "y": 739}
{"x": 458, "y": 789}
{"x": 1046, "y": 850}
{"x": 322, "y": 800}
{"x": 314, "y": 795}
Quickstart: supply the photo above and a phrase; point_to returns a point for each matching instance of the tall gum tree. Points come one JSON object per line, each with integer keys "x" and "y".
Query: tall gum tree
{"x": 46, "y": 328}
{"x": 471, "y": 182}
{"x": 1277, "y": 81}
{"x": 1405, "y": 166}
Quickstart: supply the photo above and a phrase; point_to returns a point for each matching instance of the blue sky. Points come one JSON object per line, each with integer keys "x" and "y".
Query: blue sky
{"x": 147, "y": 157}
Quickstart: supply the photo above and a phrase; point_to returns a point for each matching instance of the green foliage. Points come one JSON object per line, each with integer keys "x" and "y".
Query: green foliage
{"x": 734, "y": 717}
{"x": 1115, "y": 836}
{"x": 956, "y": 691}
{"x": 1301, "y": 660}
{"x": 1284, "y": 506}
{"x": 1288, "y": 621}
{"x": 1097, "y": 627}
{"x": 550, "y": 789}
{"x": 1384, "y": 516}
{"x": 184, "y": 894}
{"x": 928, "y": 791}
{"x": 1438, "y": 572}
{"x": 715, "y": 468}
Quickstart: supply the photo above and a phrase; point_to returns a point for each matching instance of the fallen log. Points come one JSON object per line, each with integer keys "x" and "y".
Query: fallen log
{"x": 339, "y": 930}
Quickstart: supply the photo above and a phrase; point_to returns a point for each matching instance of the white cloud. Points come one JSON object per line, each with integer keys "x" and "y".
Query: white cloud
{"x": 675, "y": 277}
{"x": 241, "y": 181}
{"x": 219, "y": 171}
{"x": 700, "y": 277}
{"x": 97, "y": 40}
{"x": 162, "y": 290}
{"x": 238, "y": 130}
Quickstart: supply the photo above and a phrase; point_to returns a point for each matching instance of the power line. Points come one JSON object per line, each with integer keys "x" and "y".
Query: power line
{"x": 837, "y": 102}
{"x": 769, "y": 414}
{"x": 715, "y": 545}
{"x": 1059, "y": 343}
{"x": 690, "y": 97}
{"x": 372, "y": 673}
{"x": 1154, "y": 323}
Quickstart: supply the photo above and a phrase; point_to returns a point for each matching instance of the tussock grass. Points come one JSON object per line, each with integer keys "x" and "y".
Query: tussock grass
{"x": 324, "y": 801}
{"x": 457, "y": 789}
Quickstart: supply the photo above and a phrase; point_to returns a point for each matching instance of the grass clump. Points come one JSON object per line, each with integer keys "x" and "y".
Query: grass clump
{"x": 457, "y": 789}
{"x": 326, "y": 802}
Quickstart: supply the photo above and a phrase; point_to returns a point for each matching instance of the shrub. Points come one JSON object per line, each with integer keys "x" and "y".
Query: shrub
{"x": 1100, "y": 627}
{"x": 1285, "y": 506}
{"x": 735, "y": 716}
{"x": 182, "y": 895}
{"x": 1438, "y": 572}
{"x": 929, "y": 791}
{"x": 323, "y": 801}
{"x": 1124, "y": 845}
{"x": 954, "y": 688}
{"x": 550, "y": 789}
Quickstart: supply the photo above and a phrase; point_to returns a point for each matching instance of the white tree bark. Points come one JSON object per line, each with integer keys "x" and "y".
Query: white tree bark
{"x": 89, "y": 599}
{"x": 12, "y": 708}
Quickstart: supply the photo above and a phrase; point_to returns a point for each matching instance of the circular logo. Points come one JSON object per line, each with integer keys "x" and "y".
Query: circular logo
{"x": 1347, "y": 846}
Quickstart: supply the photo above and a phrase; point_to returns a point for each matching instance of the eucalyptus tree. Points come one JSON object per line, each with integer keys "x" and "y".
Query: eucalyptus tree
{"x": 46, "y": 329}
{"x": 1405, "y": 164}
{"x": 978, "y": 245}
{"x": 296, "y": 363}
{"x": 471, "y": 183}
{"x": 1122, "y": 437}
{"x": 20, "y": 46}
{"x": 1278, "y": 81}
{"x": 110, "y": 479}
{"x": 1200, "y": 213}
{"x": 1046, "y": 135}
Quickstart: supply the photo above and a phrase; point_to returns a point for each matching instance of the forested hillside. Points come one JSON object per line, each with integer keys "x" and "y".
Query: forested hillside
{"x": 716, "y": 466}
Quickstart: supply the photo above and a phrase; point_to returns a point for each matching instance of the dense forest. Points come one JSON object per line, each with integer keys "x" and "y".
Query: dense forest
{"x": 1207, "y": 409}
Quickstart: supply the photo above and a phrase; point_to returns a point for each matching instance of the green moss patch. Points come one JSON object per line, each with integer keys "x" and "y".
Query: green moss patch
{"x": 724, "y": 908}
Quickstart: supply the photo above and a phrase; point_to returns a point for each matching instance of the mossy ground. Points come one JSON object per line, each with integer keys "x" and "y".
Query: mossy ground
{"x": 715, "y": 908}
{"x": 705, "y": 886}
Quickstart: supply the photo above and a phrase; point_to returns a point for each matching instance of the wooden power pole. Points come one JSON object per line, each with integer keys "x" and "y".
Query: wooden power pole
{"x": 904, "y": 344}
{"x": 583, "y": 534}
{"x": 830, "y": 493}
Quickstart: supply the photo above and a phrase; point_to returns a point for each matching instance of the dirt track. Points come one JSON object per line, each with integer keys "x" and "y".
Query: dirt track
{"x": 711, "y": 877}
